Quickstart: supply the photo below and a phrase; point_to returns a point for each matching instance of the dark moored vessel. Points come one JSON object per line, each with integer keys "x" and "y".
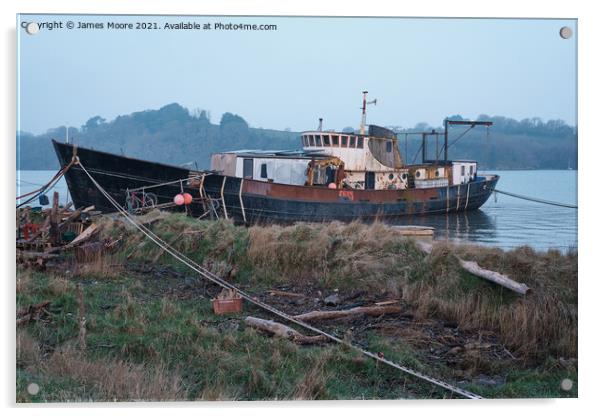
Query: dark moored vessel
{"x": 336, "y": 176}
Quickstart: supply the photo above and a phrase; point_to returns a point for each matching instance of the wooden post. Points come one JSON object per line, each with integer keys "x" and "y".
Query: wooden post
{"x": 82, "y": 317}
{"x": 55, "y": 237}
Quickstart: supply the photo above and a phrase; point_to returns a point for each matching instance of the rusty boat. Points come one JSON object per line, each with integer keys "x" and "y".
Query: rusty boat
{"x": 341, "y": 176}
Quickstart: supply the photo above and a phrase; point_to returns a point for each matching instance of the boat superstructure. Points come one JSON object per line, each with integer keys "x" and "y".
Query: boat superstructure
{"x": 334, "y": 176}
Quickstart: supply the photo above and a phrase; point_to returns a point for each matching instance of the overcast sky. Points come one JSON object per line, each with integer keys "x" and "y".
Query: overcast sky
{"x": 418, "y": 69}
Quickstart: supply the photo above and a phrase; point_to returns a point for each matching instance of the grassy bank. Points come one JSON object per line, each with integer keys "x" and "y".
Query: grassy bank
{"x": 151, "y": 334}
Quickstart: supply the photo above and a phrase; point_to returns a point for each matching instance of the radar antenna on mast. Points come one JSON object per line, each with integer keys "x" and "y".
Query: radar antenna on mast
{"x": 364, "y": 103}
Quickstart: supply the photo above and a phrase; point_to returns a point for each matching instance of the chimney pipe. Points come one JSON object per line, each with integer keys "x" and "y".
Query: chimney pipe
{"x": 320, "y": 125}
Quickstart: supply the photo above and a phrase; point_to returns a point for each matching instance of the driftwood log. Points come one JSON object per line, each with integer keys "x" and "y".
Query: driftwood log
{"x": 283, "y": 331}
{"x": 473, "y": 268}
{"x": 360, "y": 310}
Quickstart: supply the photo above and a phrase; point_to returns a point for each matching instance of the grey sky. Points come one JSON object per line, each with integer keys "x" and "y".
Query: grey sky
{"x": 418, "y": 69}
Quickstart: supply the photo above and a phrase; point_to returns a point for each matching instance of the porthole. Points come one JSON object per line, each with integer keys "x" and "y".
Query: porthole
{"x": 391, "y": 176}
{"x": 437, "y": 173}
{"x": 404, "y": 176}
{"x": 418, "y": 174}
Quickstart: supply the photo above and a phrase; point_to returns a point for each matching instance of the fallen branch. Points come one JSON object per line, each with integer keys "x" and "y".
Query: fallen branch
{"x": 501, "y": 279}
{"x": 360, "y": 310}
{"x": 283, "y": 331}
{"x": 473, "y": 268}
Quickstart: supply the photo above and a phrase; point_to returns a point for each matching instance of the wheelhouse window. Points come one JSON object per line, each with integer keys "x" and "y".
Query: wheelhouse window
{"x": 351, "y": 141}
{"x": 360, "y": 142}
{"x": 326, "y": 139}
{"x": 335, "y": 140}
{"x": 389, "y": 146}
{"x": 318, "y": 140}
{"x": 344, "y": 141}
{"x": 247, "y": 168}
{"x": 311, "y": 140}
{"x": 264, "y": 170}
{"x": 463, "y": 171}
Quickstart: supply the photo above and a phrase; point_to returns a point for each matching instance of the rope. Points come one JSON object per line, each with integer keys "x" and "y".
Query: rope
{"x": 220, "y": 282}
{"x": 541, "y": 201}
{"x": 45, "y": 188}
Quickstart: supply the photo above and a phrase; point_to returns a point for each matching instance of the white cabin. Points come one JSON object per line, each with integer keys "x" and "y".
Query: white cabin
{"x": 367, "y": 161}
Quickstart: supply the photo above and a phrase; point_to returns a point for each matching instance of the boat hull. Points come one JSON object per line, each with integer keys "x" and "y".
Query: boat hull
{"x": 249, "y": 201}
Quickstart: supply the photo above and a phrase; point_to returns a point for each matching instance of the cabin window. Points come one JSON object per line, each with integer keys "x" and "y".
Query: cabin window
{"x": 326, "y": 138}
{"x": 471, "y": 171}
{"x": 463, "y": 172}
{"x": 335, "y": 141}
{"x": 360, "y": 142}
{"x": 369, "y": 180}
{"x": 351, "y": 141}
{"x": 264, "y": 170}
{"x": 343, "y": 141}
{"x": 311, "y": 140}
{"x": 318, "y": 140}
{"x": 389, "y": 146}
{"x": 247, "y": 168}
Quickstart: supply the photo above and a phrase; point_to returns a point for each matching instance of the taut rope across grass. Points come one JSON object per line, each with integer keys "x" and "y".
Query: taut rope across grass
{"x": 217, "y": 280}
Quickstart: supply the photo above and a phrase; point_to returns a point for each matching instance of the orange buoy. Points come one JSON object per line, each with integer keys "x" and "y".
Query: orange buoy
{"x": 178, "y": 199}
{"x": 187, "y": 198}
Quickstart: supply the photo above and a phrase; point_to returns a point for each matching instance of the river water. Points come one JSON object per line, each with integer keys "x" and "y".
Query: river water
{"x": 503, "y": 221}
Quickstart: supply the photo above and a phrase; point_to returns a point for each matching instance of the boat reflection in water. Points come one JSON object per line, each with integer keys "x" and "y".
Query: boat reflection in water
{"x": 467, "y": 226}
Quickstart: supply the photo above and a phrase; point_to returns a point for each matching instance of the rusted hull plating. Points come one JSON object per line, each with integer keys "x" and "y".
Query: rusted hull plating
{"x": 265, "y": 202}
{"x": 249, "y": 201}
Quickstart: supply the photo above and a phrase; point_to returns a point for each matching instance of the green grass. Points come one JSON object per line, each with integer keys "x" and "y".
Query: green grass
{"x": 146, "y": 342}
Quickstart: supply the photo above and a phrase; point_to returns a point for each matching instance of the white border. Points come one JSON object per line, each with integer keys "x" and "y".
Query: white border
{"x": 589, "y": 33}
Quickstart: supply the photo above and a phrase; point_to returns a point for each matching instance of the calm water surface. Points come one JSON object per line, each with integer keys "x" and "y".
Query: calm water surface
{"x": 504, "y": 221}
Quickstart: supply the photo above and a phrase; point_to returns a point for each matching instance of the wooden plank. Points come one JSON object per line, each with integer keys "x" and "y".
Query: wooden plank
{"x": 88, "y": 232}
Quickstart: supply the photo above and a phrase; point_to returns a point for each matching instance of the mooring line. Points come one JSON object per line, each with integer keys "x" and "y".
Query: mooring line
{"x": 541, "y": 201}
{"x": 220, "y": 282}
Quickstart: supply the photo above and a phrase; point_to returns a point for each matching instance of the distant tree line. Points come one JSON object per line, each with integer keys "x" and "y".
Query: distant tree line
{"x": 175, "y": 135}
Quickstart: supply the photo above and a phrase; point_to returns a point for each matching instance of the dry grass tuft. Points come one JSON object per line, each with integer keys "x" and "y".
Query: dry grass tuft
{"x": 168, "y": 308}
{"x": 110, "y": 379}
{"x": 28, "y": 350}
{"x": 101, "y": 267}
{"x": 312, "y": 386}
{"x": 58, "y": 286}
{"x": 24, "y": 278}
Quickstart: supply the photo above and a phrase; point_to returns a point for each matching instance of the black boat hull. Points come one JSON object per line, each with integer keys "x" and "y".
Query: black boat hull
{"x": 249, "y": 201}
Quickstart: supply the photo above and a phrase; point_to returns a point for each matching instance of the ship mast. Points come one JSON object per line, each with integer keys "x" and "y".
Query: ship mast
{"x": 364, "y": 103}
